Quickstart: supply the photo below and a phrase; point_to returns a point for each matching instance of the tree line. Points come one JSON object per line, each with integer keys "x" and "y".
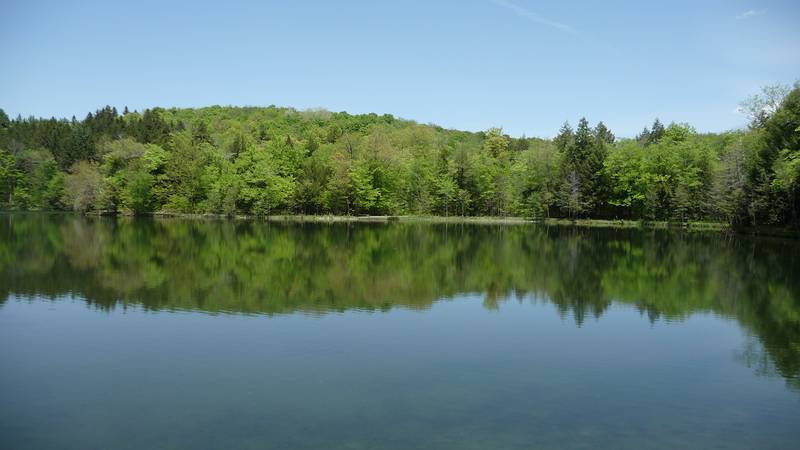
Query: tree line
{"x": 270, "y": 160}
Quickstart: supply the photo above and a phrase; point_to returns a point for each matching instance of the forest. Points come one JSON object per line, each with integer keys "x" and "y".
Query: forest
{"x": 275, "y": 160}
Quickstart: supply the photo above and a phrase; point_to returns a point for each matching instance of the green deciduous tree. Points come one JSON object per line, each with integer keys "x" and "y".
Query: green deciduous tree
{"x": 83, "y": 186}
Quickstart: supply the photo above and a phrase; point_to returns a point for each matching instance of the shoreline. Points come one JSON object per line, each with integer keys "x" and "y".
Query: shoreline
{"x": 480, "y": 220}
{"x": 690, "y": 226}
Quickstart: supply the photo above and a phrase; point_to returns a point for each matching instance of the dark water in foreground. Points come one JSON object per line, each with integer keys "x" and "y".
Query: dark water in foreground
{"x": 131, "y": 334}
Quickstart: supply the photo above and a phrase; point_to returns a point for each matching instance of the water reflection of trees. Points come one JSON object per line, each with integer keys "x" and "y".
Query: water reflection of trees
{"x": 272, "y": 268}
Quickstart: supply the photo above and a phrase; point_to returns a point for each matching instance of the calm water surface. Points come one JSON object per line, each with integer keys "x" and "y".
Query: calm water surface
{"x": 131, "y": 334}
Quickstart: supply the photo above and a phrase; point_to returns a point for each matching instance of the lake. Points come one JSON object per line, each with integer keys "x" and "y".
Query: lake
{"x": 176, "y": 334}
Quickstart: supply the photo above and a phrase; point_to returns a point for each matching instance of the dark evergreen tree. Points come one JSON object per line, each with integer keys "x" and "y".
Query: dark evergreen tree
{"x": 565, "y": 138}
{"x": 603, "y": 134}
{"x": 152, "y": 128}
{"x": 311, "y": 144}
{"x": 656, "y": 132}
{"x": 520, "y": 145}
{"x": 263, "y": 134}
{"x": 644, "y": 137}
{"x": 80, "y": 147}
{"x": 239, "y": 146}
{"x": 200, "y": 133}
{"x": 581, "y": 167}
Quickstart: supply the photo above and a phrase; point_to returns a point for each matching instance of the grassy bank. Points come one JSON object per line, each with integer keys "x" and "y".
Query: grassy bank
{"x": 486, "y": 220}
{"x": 480, "y": 220}
{"x": 588, "y": 223}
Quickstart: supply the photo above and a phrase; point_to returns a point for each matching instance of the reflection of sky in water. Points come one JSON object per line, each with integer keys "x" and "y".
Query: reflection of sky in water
{"x": 453, "y": 376}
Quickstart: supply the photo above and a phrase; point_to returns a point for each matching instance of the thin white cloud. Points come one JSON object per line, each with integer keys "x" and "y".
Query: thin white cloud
{"x": 533, "y": 17}
{"x": 750, "y": 13}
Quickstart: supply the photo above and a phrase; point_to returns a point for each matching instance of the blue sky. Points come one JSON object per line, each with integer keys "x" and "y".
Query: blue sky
{"x": 524, "y": 65}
